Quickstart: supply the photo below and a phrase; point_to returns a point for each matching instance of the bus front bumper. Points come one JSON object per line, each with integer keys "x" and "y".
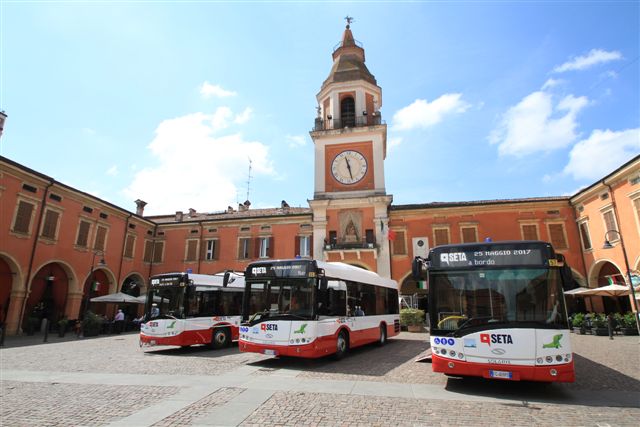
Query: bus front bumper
{"x": 311, "y": 350}
{"x": 550, "y": 373}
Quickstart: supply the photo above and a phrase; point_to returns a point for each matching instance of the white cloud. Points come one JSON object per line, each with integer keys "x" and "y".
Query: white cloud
{"x": 551, "y": 83}
{"x": 113, "y": 170}
{"x": 243, "y": 117}
{"x": 594, "y": 57}
{"x": 296, "y": 141}
{"x": 394, "y": 142}
{"x": 208, "y": 90}
{"x": 602, "y": 152}
{"x": 422, "y": 114}
{"x": 197, "y": 166}
{"x": 534, "y": 125}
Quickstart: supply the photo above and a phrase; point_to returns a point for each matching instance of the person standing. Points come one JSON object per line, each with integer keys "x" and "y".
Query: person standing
{"x": 118, "y": 320}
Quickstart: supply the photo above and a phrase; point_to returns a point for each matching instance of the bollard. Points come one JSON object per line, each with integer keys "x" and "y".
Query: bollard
{"x": 610, "y": 325}
{"x": 2, "y": 332}
{"x": 46, "y": 330}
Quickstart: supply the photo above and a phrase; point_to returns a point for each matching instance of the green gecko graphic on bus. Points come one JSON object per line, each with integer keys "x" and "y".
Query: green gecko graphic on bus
{"x": 171, "y": 325}
{"x": 555, "y": 343}
{"x": 301, "y": 330}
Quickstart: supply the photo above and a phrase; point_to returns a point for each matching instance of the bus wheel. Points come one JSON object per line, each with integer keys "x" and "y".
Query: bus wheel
{"x": 220, "y": 338}
{"x": 342, "y": 345}
{"x": 383, "y": 335}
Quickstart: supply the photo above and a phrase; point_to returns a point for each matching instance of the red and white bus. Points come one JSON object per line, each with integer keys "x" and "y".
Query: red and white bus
{"x": 497, "y": 310}
{"x": 185, "y": 309}
{"x": 309, "y": 308}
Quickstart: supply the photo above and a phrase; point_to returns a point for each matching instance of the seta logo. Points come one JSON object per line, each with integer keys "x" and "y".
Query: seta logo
{"x": 496, "y": 339}
{"x": 258, "y": 270}
{"x": 452, "y": 257}
{"x": 269, "y": 327}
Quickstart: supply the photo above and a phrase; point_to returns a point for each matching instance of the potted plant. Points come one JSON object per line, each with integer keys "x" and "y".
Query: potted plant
{"x": 578, "y": 322}
{"x": 62, "y": 326}
{"x": 599, "y": 324}
{"x": 627, "y": 324}
{"x": 91, "y": 324}
{"x": 413, "y": 319}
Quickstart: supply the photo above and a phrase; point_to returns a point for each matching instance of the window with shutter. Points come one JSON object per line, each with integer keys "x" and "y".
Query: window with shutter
{"x": 264, "y": 247}
{"x": 211, "y": 250}
{"x": 192, "y": 250}
{"x": 304, "y": 246}
{"x": 530, "y": 232}
{"x": 609, "y": 221}
{"x": 244, "y": 245}
{"x": 399, "y": 247}
{"x": 83, "y": 234}
{"x": 469, "y": 235}
{"x": 441, "y": 236}
{"x": 584, "y": 233}
{"x": 101, "y": 237}
{"x": 128, "y": 248}
{"x": 22, "y": 224}
{"x": 148, "y": 251}
{"x": 556, "y": 234}
{"x": 50, "y": 224}
{"x": 157, "y": 252}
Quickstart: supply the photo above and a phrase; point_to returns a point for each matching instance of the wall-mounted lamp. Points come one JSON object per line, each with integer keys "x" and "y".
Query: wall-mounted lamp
{"x": 51, "y": 278}
{"x": 329, "y": 117}
{"x": 364, "y": 113}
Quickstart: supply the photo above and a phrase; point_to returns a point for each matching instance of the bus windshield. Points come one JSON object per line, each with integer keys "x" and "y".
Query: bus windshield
{"x": 504, "y": 298}
{"x": 166, "y": 301}
{"x": 281, "y": 298}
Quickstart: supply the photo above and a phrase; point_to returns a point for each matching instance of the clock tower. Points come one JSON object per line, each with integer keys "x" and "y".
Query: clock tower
{"x": 350, "y": 204}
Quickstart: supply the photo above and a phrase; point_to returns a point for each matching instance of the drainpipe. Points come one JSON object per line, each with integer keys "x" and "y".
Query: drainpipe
{"x": 153, "y": 250}
{"x": 124, "y": 243}
{"x": 584, "y": 262}
{"x": 199, "y": 254}
{"x": 33, "y": 252}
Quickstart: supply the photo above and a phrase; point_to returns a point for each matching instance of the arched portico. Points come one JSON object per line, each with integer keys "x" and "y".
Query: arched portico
{"x": 48, "y": 296}
{"x": 11, "y": 293}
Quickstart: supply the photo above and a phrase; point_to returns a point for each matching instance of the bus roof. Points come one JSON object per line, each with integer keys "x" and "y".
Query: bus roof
{"x": 349, "y": 272}
{"x": 235, "y": 280}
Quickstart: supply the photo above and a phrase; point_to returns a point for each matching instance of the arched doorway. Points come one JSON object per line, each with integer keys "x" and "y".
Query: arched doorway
{"x": 413, "y": 294}
{"x": 607, "y": 273}
{"x": 47, "y": 298}
{"x": 132, "y": 285}
{"x": 96, "y": 285}
{"x": 6, "y": 283}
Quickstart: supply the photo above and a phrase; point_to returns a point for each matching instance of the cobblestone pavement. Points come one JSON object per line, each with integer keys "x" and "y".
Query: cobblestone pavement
{"x": 109, "y": 380}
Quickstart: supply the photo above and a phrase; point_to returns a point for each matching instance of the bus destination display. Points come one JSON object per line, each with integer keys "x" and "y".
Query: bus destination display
{"x": 493, "y": 257}
{"x": 166, "y": 281}
{"x": 293, "y": 269}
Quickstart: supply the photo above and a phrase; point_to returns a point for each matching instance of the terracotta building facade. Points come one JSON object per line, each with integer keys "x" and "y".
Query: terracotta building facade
{"x": 60, "y": 246}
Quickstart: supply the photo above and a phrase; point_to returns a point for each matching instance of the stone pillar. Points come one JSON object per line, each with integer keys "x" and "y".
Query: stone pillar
{"x": 74, "y": 302}
{"x": 16, "y": 300}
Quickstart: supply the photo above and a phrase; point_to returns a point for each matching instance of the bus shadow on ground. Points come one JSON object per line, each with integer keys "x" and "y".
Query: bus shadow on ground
{"x": 192, "y": 351}
{"x": 369, "y": 360}
{"x": 596, "y": 385}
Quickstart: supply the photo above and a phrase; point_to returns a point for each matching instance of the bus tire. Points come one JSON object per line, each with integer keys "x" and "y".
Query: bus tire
{"x": 220, "y": 338}
{"x": 383, "y": 335}
{"x": 342, "y": 345}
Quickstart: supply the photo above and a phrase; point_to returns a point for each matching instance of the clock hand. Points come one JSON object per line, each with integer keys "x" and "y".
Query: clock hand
{"x": 348, "y": 167}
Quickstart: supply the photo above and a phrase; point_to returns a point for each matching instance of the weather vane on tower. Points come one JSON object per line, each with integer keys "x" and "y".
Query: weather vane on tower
{"x": 349, "y": 20}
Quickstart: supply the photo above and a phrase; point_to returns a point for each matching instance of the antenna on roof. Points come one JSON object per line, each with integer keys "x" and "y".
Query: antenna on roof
{"x": 249, "y": 178}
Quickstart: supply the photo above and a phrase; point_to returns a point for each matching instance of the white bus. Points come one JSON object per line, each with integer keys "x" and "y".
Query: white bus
{"x": 497, "y": 310}
{"x": 184, "y": 309}
{"x": 309, "y": 308}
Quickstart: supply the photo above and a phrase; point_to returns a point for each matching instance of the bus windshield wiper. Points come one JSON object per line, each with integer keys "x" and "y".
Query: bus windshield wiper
{"x": 466, "y": 324}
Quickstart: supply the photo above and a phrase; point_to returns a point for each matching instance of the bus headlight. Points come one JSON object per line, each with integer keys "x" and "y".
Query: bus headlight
{"x": 549, "y": 359}
{"x": 539, "y": 360}
{"x": 559, "y": 358}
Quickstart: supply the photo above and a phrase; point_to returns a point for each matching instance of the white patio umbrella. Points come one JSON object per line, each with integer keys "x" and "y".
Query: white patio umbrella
{"x": 576, "y": 291}
{"x": 607, "y": 291}
{"x": 118, "y": 297}
{"x": 142, "y": 299}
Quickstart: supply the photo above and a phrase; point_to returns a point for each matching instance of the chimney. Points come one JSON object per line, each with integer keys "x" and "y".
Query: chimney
{"x": 284, "y": 206}
{"x": 179, "y": 216}
{"x": 241, "y": 207}
{"x": 192, "y": 212}
{"x": 140, "y": 207}
{"x": 229, "y": 209}
{"x": 3, "y": 117}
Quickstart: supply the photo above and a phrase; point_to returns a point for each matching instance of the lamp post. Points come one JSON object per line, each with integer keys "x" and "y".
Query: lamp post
{"x": 608, "y": 245}
{"x": 101, "y": 263}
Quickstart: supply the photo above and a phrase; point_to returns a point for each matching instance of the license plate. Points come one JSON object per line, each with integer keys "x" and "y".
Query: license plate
{"x": 501, "y": 374}
{"x": 270, "y": 352}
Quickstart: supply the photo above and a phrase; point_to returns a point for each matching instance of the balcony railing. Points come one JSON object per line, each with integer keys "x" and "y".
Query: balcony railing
{"x": 348, "y": 122}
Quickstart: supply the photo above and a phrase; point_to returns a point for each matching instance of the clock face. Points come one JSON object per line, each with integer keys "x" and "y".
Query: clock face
{"x": 349, "y": 167}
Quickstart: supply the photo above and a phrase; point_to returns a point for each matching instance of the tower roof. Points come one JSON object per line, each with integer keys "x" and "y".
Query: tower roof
{"x": 348, "y": 62}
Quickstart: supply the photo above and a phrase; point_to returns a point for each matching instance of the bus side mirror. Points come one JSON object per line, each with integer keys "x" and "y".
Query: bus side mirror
{"x": 225, "y": 278}
{"x": 417, "y": 267}
{"x": 324, "y": 284}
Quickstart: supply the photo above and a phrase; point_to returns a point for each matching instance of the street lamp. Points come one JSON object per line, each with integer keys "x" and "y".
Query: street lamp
{"x": 101, "y": 263}
{"x": 608, "y": 245}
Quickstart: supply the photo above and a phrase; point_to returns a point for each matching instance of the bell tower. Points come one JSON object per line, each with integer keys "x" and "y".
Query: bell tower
{"x": 350, "y": 204}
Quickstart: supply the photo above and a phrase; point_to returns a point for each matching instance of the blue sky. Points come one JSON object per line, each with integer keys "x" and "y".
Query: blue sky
{"x": 167, "y": 101}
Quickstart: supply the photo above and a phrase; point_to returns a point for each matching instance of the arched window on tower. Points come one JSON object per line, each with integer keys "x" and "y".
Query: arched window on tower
{"x": 348, "y": 112}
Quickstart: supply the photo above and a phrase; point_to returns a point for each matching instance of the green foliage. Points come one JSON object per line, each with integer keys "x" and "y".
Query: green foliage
{"x": 578, "y": 320}
{"x": 599, "y": 320}
{"x": 411, "y": 317}
{"x": 628, "y": 320}
{"x": 91, "y": 324}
